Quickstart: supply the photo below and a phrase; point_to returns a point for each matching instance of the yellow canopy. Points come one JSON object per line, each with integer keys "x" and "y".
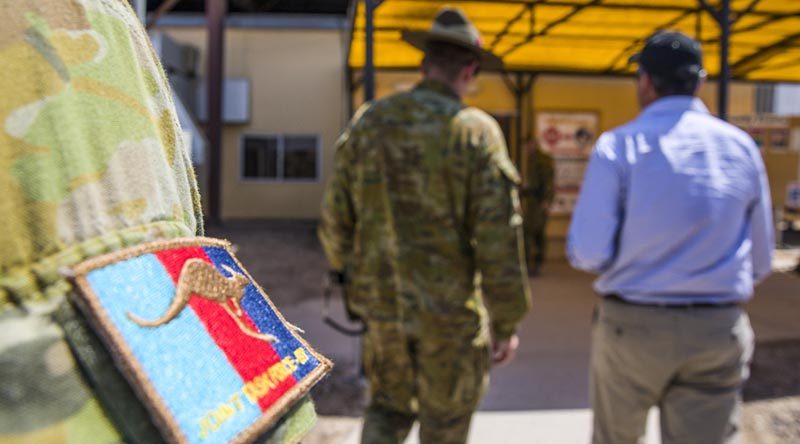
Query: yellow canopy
{"x": 594, "y": 36}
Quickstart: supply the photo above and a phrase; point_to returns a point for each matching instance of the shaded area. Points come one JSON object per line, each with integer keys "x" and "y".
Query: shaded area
{"x": 343, "y": 393}
{"x": 772, "y": 395}
{"x": 775, "y": 372}
{"x": 548, "y": 381}
{"x": 284, "y": 257}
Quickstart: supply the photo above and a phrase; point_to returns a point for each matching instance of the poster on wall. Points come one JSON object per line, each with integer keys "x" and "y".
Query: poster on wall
{"x": 564, "y": 203}
{"x": 770, "y": 132}
{"x": 779, "y": 139}
{"x": 569, "y": 173}
{"x": 793, "y": 197}
{"x": 568, "y": 137}
{"x": 566, "y": 134}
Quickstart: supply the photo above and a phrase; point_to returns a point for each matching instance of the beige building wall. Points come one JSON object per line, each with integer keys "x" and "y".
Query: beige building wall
{"x": 297, "y": 87}
{"x": 296, "y": 81}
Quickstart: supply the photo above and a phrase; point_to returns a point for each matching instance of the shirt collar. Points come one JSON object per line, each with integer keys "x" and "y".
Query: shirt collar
{"x": 675, "y": 104}
{"x": 438, "y": 87}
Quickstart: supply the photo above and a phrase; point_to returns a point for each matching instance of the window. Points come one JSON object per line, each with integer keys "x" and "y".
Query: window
{"x": 260, "y": 157}
{"x": 765, "y": 98}
{"x": 300, "y": 157}
{"x": 280, "y": 157}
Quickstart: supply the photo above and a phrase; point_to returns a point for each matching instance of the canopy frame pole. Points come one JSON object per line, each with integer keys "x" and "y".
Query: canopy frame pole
{"x": 353, "y": 83}
{"x": 369, "y": 61}
{"x": 724, "y": 59}
{"x": 519, "y": 95}
{"x": 723, "y": 19}
{"x": 698, "y": 26}
{"x": 348, "y": 79}
{"x": 520, "y": 87}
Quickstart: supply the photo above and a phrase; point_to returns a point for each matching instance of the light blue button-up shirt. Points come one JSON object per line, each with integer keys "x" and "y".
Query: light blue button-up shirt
{"x": 675, "y": 208}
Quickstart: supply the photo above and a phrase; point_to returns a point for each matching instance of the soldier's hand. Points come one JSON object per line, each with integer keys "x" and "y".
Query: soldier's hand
{"x": 504, "y": 351}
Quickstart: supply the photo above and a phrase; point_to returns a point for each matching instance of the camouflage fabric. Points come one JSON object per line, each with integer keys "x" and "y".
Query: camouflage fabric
{"x": 423, "y": 214}
{"x": 452, "y": 372}
{"x": 537, "y": 195}
{"x": 92, "y": 160}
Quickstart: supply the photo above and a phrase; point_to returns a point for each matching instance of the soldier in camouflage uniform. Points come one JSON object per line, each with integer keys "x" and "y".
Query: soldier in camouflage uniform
{"x": 91, "y": 161}
{"x": 537, "y": 195}
{"x": 422, "y": 213}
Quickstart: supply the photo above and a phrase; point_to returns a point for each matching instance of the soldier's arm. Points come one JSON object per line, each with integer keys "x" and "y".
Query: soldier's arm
{"x": 337, "y": 221}
{"x": 496, "y": 226}
{"x": 527, "y": 189}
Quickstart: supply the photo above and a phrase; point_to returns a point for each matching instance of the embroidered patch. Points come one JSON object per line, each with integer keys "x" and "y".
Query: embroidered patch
{"x": 201, "y": 343}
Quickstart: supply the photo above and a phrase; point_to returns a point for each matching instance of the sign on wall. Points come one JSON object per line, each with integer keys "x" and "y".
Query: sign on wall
{"x": 566, "y": 134}
{"x": 770, "y": 132}
{"x": 568, "y": 137}
{"x": 793, "y": 196}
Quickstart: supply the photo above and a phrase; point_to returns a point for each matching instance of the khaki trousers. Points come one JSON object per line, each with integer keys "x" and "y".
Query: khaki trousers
{"x": 690, "y": 362}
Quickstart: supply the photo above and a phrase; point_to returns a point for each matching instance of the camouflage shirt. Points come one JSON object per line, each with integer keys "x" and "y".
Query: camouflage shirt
{"x": 91, "y": 155}
{"x": 423, "y": 214}
{"x": 539, "y": 185}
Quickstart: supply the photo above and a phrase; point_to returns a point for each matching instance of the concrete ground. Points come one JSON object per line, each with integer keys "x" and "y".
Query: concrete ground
{"x": 542, "y": 397}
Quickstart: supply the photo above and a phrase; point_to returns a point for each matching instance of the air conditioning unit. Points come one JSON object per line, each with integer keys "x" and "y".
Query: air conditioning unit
{"x": 235, "y": 106}
{"x": 778, "y": 99}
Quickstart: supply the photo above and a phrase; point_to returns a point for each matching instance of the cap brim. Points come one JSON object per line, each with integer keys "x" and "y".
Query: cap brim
{"x": 635, "y": 58}
{"x": 418, "y": 39}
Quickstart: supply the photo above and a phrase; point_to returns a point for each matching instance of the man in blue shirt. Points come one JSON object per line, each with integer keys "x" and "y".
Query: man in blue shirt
{"x": 675, "y": 216}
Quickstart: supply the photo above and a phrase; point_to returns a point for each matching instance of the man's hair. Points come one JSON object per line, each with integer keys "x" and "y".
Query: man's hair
{"x": 674, "y": 85}
{"x": 448, "y": 58}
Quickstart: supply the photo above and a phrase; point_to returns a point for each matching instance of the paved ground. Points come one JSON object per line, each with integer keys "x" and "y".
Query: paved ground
{"x": 542, "y": 396}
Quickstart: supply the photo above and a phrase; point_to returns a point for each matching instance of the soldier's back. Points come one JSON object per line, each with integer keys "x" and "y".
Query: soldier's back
{"x": 415, "y": 153}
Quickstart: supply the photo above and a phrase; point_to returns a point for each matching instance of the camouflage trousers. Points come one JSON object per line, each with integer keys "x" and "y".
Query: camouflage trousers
{"x": 535, "y": 223}
{"x": 436, "y": 379}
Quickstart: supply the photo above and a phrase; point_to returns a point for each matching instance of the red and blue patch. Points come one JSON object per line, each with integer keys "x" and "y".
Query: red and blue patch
{"x": 207, "y": 373}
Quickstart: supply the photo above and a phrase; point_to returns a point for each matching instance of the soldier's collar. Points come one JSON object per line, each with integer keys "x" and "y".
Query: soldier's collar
{"x": 438, "y": 87}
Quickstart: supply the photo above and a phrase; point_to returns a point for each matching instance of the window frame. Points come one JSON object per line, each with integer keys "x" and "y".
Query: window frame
{"x": 281, "y": 157}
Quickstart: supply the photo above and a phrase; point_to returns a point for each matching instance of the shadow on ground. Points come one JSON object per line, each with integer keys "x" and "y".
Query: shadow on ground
{"x": 775, "y": 372}
{"x": 550, "y": 372}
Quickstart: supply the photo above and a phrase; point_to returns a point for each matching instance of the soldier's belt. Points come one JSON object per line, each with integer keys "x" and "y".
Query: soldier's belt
{"x": 199, "y": 341}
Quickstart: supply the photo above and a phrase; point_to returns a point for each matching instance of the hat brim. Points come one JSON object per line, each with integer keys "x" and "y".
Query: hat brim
{"x": 635, "y": 58}
{"x": 418, "y": 39}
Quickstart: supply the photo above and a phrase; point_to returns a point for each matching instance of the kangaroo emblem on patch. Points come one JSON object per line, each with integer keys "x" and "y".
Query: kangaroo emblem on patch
{"x": 199, "y": 341}
{"x": 203, "y": 280}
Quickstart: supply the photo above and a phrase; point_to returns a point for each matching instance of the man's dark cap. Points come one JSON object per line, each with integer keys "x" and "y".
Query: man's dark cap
{"x": 671, "y": 54}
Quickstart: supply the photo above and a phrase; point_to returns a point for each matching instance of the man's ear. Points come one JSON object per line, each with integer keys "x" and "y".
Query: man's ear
{"x": 700, "y": 84}
{"x": 473, "y": 69}
{"x": 645, "y": 81}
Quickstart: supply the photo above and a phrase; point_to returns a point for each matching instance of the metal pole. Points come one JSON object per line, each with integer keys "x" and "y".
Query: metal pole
{"x": 369, "y": 62}
{"x": 529, "y": 96}
{"x": 215, "y": 15}
{"x": 519, "y": 94}
{"x": 724, "y": 62}
{"x": 348, "y": 79}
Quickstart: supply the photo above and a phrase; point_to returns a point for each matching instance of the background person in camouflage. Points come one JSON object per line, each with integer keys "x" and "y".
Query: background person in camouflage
{"x": 91, "y": 161}
{"x": 537, "y": 195}
{"x": 423, "y": 215}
